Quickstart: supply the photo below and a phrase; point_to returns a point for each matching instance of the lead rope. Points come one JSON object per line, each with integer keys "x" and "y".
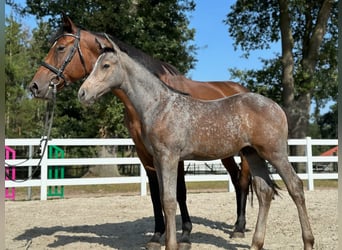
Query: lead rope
{"x": 50, "y": 110}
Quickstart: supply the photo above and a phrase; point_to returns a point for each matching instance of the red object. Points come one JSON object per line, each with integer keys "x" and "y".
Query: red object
{"x": 330, "y": 152}
{"x": 10, "y": 171}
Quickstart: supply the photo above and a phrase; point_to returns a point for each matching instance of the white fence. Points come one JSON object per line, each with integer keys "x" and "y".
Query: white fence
{"x": 44, "y": 182}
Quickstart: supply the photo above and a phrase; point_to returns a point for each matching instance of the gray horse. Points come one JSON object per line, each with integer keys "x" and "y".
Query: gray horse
{"x": 177, "y": 127}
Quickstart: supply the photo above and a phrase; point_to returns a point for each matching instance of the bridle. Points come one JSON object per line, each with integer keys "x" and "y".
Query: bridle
{"x": 59, "y": 72}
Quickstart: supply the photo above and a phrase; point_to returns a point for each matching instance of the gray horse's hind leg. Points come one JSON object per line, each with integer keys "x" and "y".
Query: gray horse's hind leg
{"x": 295, "y": 188}
{"x": 264, "y": 189}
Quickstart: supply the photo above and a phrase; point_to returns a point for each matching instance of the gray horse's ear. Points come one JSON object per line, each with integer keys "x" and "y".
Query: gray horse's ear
{"x": 115, "y": 47}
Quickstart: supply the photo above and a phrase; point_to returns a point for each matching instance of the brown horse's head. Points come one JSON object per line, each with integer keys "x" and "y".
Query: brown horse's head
{"x": 68, "y": 60}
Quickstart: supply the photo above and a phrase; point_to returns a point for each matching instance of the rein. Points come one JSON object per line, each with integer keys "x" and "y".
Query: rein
{"x": 50, "y": 107}
{"x": 59, "y": 72}
{"x": 50, "y": 110}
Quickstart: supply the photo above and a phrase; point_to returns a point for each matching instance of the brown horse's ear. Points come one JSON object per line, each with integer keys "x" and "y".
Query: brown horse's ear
{"x": 68, "y": 25}
{"x": 100, "y": 44}
{"x": 103, "y": 47}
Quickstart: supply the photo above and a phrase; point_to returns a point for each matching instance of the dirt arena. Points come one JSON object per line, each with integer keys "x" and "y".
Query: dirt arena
{"x": 125, "y": 222}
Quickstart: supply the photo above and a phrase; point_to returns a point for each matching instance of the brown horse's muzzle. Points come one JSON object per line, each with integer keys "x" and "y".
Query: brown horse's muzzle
{"x": 43, "y": 92}
{"x": 45, "y": 85}
{"x": 39, "y": 92}
{"x": 36, "y": 91}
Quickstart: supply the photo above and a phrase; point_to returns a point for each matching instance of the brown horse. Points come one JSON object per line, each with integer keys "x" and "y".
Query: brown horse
{"x": 177, "y": 127}
{"x": 73, "y": 55}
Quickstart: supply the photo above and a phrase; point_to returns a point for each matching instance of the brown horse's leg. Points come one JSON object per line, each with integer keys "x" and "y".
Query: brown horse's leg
{"x": 295, "y": 188}
{"x": 241, "y": 181}
{"x": 181, "y": 198}
{"x": 159, "y": 225}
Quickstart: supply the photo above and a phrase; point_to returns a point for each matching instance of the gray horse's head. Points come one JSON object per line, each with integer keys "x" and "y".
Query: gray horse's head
{"x": 107, "y": 74}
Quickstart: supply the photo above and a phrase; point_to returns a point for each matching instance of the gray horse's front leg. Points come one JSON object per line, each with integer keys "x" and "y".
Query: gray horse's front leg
{"x": 166, "y": 167}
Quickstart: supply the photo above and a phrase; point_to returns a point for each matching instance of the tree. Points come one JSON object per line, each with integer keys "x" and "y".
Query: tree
{"x": 306, "y": 70}
{"x": 160, "y": 28}
{"x": 20, "y": 110}
{"x": 328, "y": 124}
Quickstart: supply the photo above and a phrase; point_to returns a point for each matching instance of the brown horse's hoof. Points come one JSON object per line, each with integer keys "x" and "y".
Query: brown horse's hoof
{"x": 237, "y": 235}
{"x": 184, "y": 246}
{"x": 153, "y": 246}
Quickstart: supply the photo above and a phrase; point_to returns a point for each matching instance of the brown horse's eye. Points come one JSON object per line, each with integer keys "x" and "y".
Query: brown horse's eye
{"x": 60, "y": 48}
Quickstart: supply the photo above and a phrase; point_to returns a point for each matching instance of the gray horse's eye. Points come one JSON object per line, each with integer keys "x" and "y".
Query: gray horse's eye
{"x": 106, "y": 66}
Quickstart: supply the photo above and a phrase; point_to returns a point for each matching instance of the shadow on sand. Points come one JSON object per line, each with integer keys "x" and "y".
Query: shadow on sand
{"x": 127, "y": 235}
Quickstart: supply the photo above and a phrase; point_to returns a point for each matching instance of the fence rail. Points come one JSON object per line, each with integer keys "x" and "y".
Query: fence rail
{"x": 44, "y": 182}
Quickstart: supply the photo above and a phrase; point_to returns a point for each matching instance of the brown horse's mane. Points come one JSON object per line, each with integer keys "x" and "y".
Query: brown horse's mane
{"x": 154, "y": 65}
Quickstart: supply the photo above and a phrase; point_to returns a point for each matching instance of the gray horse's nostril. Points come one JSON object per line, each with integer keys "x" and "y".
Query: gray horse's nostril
{"x": 81, "y": 94}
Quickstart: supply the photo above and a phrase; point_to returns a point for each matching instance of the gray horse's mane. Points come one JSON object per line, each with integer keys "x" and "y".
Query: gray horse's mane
{"x": 108, "y": 49}
{"x": 152, "y": 64}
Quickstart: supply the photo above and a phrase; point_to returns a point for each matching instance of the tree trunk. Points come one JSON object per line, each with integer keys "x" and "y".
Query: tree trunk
{"x": 295, "y": 111}
{"x": 105, "y": 170}
{"x": 106, "y": 151}
{"x": 298, "y": 120}
{"x": 297, "y": 105}
{"x": 287, "y": 56}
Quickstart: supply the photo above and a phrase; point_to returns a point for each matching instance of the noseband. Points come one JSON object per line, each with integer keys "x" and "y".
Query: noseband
{"x": 59, "y": 72}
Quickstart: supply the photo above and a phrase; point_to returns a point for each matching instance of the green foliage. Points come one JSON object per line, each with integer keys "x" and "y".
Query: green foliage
{"x": 256, "y": 25}
{"x": 104, "y": 118}
{"x": 22, "y": 116}
{"x": 265, "y": 81}
{"x": 328, "y": 123}
{"x": 160, "y": 28}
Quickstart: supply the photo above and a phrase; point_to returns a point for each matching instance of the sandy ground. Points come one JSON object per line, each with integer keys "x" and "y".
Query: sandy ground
{"x": 125, "y": 222}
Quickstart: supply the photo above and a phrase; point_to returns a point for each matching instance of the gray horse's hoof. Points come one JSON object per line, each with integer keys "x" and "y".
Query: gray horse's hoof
{"x": 153, "y": 246}
{"x": 184, "y": 246}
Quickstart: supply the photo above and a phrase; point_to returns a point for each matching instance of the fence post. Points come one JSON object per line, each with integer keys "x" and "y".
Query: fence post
{"x": 143, "y": 182}
{"x": 43, "y": 169}
{"x": 29, "y": 189}
{"x": 309, "y": 168}
{"x": 230, "y": 184}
